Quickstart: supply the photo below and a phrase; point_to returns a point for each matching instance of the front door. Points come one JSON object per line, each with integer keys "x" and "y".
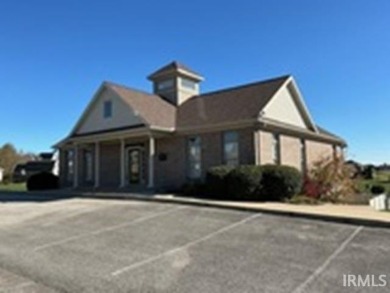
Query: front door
{"x": 134, "y": 156}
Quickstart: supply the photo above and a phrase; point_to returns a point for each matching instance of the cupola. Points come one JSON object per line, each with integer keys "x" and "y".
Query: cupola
{"x": 176, "y": 82}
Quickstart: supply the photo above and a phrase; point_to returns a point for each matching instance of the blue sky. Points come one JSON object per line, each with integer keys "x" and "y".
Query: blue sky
{"x": 54, "y": 55}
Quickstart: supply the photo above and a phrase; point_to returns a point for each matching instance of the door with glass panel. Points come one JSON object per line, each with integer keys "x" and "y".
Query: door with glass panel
{"x": 134, "y": 163}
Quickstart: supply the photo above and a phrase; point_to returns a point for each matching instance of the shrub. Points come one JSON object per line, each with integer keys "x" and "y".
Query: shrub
{"x": 244, "y": 182}
{"x": 332, "y": 180}
{"x": 280, "y": 182}
{"x": 216, "y": 181}
{"x": 249, "y": 182}
{"x": 7, "y": 179}
{"x": 377, "y": 189}
{"x": 42, "y": 181}
{"x": 311, "y": 188}
{"x": 194, "y": 188}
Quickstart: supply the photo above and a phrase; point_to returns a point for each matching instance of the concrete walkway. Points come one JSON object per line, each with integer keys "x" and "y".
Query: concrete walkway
{"x": 354, "y": 214}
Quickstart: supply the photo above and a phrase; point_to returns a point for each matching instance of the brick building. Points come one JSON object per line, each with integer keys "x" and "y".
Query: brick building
{"x": 130, "y": 139}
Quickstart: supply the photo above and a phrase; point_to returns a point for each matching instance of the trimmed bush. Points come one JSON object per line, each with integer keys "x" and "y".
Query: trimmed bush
{"x": 377, "y": 189}
{"x": 280, "y": 182}
{"x": 42, "y": 181}
{"x": 216, "y": 181}
{"x": 195, "y": 188}
{"x": 244, "y": 182}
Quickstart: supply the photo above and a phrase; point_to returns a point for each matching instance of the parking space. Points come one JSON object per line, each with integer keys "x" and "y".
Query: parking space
{"x": 89, "y": 245}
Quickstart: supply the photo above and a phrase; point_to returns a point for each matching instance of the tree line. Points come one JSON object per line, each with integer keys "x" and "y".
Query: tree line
{"x": 10, "y": 157}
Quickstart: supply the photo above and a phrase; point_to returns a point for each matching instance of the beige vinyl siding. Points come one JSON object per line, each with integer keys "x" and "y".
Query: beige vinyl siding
{"x": 283, "y": 108}
{"x": 122, "y": 114}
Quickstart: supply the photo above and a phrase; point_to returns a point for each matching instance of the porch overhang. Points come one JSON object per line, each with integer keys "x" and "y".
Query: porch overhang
{"x": 136, "y": 131}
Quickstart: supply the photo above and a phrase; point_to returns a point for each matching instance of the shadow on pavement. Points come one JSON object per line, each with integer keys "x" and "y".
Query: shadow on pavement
{"x": 14, "y": 196}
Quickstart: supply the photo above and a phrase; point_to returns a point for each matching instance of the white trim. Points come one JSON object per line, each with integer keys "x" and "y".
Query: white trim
{"x": 97, "y": 164}
{"x": 160, "y": 128}
{"x": 76, "y": 167}
{"x": 88, "y": 108}
{"x": 151, "y": 155}
{"x": 256, "y": 146}
{"x": 303, "y": 104}
{"x": 297, "y": 97}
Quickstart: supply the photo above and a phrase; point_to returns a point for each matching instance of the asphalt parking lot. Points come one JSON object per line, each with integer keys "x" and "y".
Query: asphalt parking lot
{"x": 90, "y": 245}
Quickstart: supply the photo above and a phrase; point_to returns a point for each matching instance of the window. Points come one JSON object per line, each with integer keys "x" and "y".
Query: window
{"x": 187, "y": 83}
{"x": 107, "y": 110}
{"x": 166, "y": 84}
{"x": 194, "y": 158}
{"x": 88, "y": 166}
{"x": 303, "y": 156}
{"x": 230, "y": 148}
{"x": 276, "y": 149}
{"x": 69, "y": 158}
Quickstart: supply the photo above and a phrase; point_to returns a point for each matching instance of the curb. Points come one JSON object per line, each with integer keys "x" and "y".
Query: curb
{"x": 202, "y": 203}
{"x": 205, "y": 203}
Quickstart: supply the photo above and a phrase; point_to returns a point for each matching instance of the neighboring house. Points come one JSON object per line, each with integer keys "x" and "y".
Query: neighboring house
{"x": 47, "y": 162}
{"x": 129, "y": 138}
{"x": 1, "y": 174}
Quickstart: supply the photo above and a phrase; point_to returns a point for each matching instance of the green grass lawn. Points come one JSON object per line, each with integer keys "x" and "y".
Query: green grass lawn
{"x": 13, "y": 187}
{"x": 380, "y": 178}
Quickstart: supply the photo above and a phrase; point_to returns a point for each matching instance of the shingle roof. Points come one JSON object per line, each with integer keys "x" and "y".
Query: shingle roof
{"x": 172, "y": 66}
{"x": 330, "y": 134}
{"x": 235, "y": 104}
{"x": 228, "y": 105}
{"x": 152, "y": 108}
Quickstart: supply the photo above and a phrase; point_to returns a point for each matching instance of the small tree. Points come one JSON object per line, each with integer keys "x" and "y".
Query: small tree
{"x": 329, "y": 180}
{"x": 368, "y": 172}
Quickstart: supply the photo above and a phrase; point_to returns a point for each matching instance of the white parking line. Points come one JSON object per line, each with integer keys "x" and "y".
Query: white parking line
{"x": 76, "y": 213}
{"x": 97, "y": 232}
{"x": 321, "y": 268}
{"x": 190, "y": 244}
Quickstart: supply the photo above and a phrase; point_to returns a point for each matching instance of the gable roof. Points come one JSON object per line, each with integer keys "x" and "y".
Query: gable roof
{"x": 154, "y": 110}
{"x": 228, "y": 105}
{"x": 236, "y": 105}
